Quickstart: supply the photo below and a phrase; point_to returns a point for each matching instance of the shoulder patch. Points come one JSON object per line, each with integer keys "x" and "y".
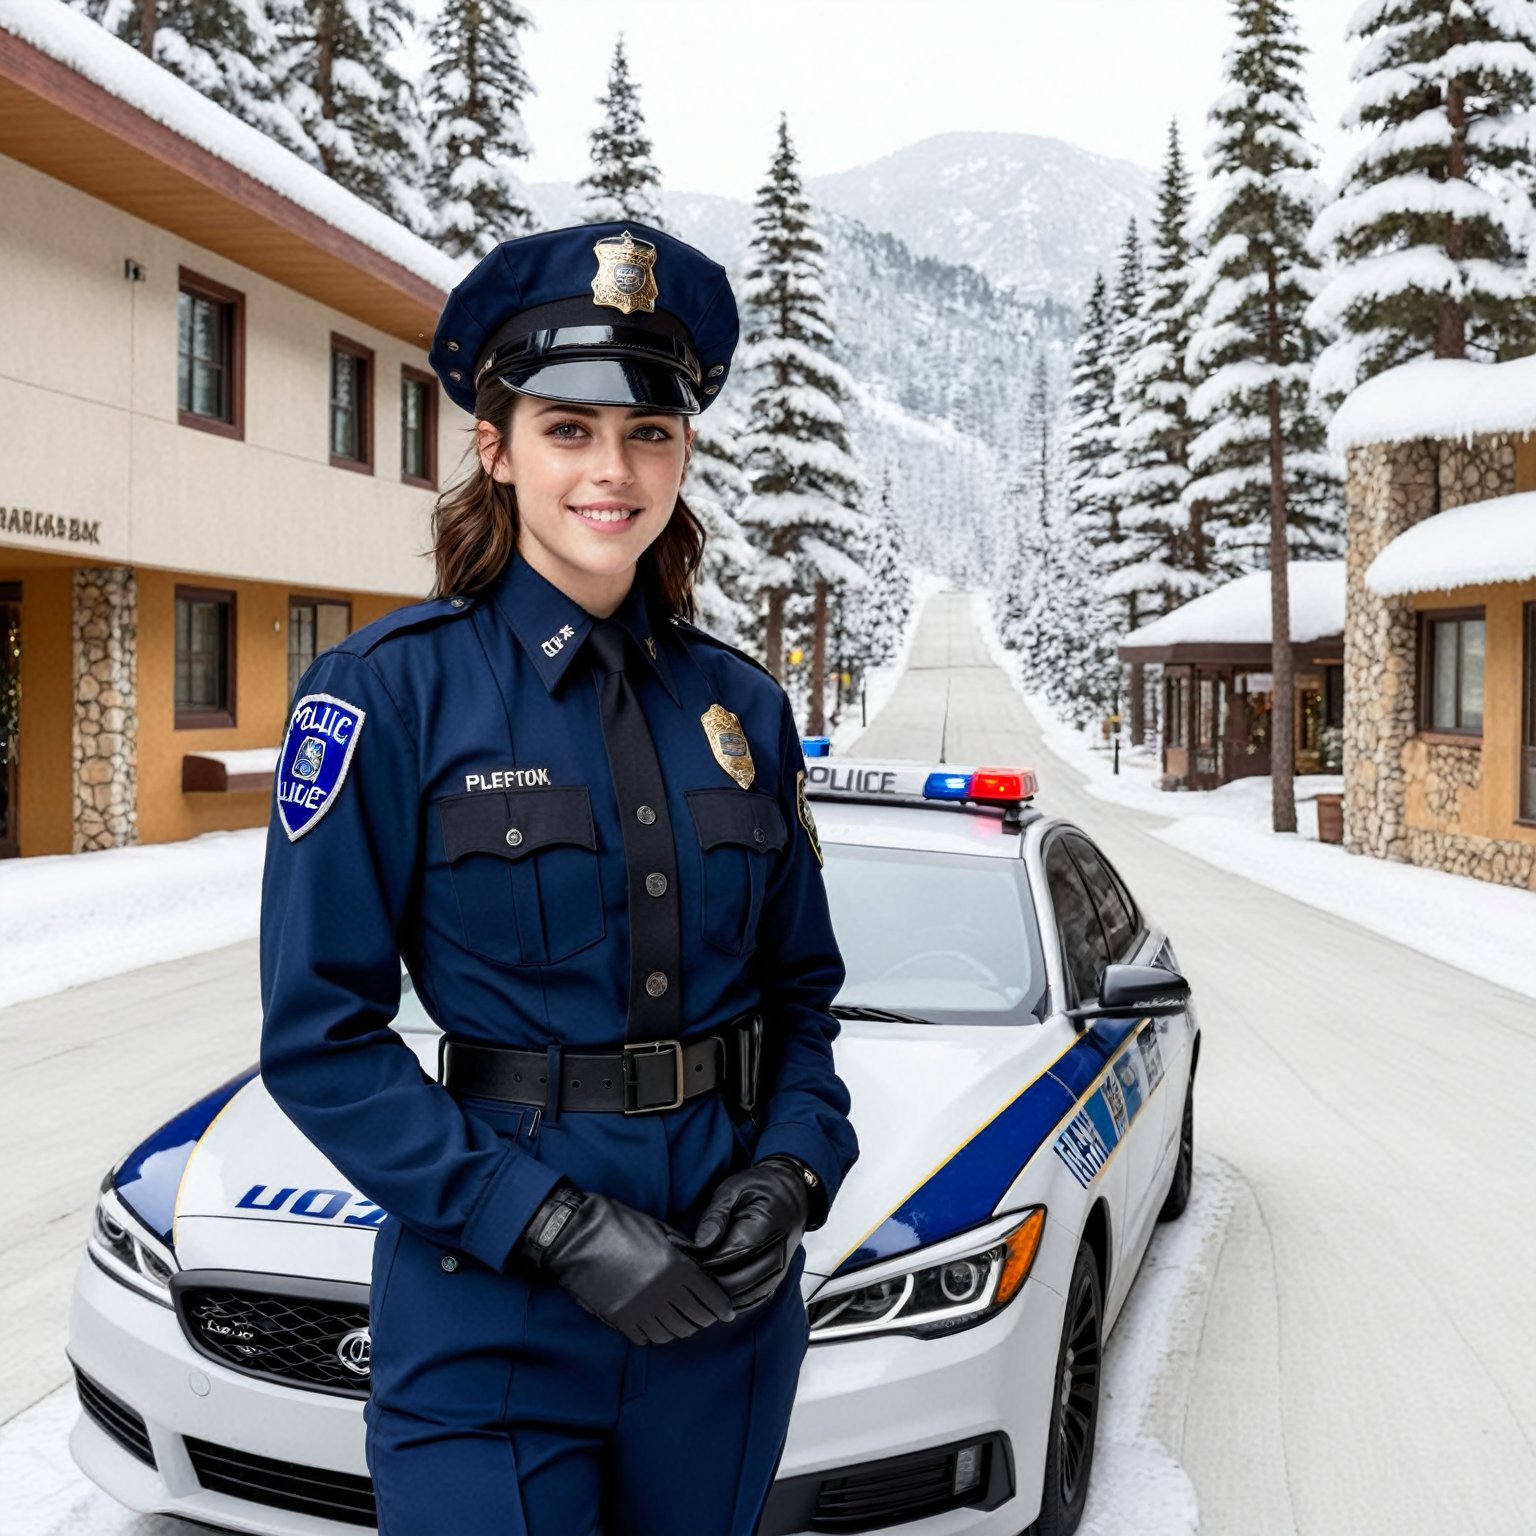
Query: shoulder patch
{"x": 412, "y": 616}
{"x": 693, "y": 632}
{"x": 807, "y": 820}
{"x": 322, "y": 736}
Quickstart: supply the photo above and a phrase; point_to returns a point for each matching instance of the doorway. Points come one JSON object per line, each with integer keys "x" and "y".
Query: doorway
{"x": 10, "y": 717}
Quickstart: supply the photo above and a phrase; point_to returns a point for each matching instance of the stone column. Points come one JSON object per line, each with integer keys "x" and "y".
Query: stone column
{"x": 1389, "y": 488}
{"x": 106, "y": 725}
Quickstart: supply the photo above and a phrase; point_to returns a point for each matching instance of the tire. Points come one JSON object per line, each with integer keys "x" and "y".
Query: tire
{"x": 1184, "y": 1170}
{"x": 1075, "y": 1405}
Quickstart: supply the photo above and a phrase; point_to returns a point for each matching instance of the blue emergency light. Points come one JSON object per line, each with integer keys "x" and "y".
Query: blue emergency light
{"x": 816, "y": 746}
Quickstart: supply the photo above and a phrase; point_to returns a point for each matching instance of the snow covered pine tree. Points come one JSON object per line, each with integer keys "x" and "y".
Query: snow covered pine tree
{"x": 715, "y": 489}
{"x": 1433, "y": 228}
{"x": 623, "y": 182}
{"x": 1260, "y": 462}
{"x": 472, "y": 95}
{"x": 804, "y": 509}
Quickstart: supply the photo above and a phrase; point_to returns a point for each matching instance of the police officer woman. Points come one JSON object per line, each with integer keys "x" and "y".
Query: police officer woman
{"x": 581, "y": 824}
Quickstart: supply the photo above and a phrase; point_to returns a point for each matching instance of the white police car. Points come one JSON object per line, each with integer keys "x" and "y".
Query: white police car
{"x": 1021, "y": 1055}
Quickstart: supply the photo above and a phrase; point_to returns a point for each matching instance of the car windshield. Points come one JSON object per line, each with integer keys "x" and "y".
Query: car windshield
{"x": 949, "y": 938}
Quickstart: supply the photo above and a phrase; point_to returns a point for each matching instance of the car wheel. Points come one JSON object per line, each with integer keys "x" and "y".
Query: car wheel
{"x": 1075, "y": 1406}
{"x": 1184, "y": 1170}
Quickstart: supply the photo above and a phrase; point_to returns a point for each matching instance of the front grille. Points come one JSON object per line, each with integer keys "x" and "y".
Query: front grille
{"x": 886, "y": 1493}
{"x": 280, "y": 1329}
{"x": 115, "y": 1417}
{"x": 340, "y": 1496}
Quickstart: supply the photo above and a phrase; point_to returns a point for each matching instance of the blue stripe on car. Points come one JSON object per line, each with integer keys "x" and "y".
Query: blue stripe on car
{"x": 965, "y": 1190}
{"x": 147, "y": 1180}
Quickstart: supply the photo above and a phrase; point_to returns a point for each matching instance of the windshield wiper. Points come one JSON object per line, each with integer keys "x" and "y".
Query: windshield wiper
{"x": 875, "y": 1015}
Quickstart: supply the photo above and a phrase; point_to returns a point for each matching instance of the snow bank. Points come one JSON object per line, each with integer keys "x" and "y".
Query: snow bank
{"x": 1438, "y": 397}
{"x": 1481, "y": 542}
{"x": 91, "y": 51}
{"x": 141, "y": 905}
{"x": 1238, "y": 613}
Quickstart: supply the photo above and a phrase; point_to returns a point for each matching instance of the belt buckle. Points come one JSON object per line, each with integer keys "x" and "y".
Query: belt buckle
{"x": 631, "y": 1080}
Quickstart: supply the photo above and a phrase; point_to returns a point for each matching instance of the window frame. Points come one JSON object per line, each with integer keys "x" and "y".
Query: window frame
{"x": 1428, "y": 618}
{"x": 196, "y": 285}
{"x": 409, "y": 375}
{"x": 199, "y": 718}
{"x": 1525, "y": 813}
{"x": 1175, "y": 731}
{"x": 310, "y": 600}
{"x": 364, "y": 357}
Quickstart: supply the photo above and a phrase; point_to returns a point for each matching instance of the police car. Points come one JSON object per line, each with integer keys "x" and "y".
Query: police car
{"x": 1021, "y": 1053}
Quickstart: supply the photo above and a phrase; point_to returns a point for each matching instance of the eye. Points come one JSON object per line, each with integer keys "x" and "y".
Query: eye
{"x": 564, "y": 430}
{"x": 661, "y": 434}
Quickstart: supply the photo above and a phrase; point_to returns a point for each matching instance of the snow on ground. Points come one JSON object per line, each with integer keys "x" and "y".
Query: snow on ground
{"x": 880, "y": 682}
{"x": 136, "y": 906}
{"x": 1482, "y": 928}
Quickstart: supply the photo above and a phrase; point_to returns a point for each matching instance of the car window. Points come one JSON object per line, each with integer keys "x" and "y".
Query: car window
{"x": 948, "y": 937}
{"x": 1082, "y": 938}
{"x": 1114, "y": 912}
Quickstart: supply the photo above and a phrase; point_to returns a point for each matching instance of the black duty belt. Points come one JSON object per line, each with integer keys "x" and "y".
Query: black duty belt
{"x": 641, "y": 1079}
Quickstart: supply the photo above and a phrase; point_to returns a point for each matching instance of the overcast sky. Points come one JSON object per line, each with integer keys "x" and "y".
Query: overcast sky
{"x": 861, "y": 78}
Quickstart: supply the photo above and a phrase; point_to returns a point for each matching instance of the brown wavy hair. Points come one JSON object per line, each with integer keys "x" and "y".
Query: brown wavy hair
{"x": 474, "y": 533}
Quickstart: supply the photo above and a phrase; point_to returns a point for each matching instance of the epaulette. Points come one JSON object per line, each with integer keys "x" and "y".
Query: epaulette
{"x": 696, "y": 633}
{"x": 412, "y": 616}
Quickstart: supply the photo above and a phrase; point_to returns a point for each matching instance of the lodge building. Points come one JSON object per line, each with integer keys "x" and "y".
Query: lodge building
{"x": 221, "y": 441}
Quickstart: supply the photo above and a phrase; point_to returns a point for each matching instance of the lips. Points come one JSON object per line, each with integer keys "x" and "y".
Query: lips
{"x": 605, "y": 514}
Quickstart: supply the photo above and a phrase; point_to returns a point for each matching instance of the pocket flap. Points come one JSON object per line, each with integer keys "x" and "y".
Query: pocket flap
{"x": 736, "y": 816}
{"x": 512, "y": 823}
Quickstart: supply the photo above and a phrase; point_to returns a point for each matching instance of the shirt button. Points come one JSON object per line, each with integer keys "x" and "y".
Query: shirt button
{"x": 758, "y": 836}
{"x": 656, "y": 885}
{"x": 656, "y": 983}
{"x": 645, "y": 815}
{"x": 514, "y": 837}
{"x": 450, "y": 1263}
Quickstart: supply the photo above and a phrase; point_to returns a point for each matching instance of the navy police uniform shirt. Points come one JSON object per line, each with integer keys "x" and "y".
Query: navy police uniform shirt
{"x": 444, "y": 797}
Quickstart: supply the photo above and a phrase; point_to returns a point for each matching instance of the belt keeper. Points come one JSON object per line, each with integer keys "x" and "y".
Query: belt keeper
{"x": 552, "y": 1085}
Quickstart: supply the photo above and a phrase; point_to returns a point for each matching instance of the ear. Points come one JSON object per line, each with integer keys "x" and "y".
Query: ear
{"x": 491, "y": 450}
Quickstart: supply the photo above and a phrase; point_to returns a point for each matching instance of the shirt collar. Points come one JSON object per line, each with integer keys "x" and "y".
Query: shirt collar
{"x": 552, "y": 627}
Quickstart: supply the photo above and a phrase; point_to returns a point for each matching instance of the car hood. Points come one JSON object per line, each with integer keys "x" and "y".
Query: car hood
{"x": 257, "y": 1194}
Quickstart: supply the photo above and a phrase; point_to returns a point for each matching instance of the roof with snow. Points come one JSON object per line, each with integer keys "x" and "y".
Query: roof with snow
{"x": 1438, "y": 397}
{"x": 83, "y": 107}
{"x": 1237, "y": 614}
{"x": 1470, "y": 546}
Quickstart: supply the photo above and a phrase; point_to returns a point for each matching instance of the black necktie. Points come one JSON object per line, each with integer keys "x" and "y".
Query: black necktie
{"x": 650, "y": 858}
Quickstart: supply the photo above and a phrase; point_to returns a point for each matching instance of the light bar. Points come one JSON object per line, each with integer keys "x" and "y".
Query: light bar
{"x": 816, "y": 746}
{"x": 827, "y": 778}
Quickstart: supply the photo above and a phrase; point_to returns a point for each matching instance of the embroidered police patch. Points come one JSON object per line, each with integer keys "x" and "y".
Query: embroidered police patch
{"x": 808, "y": 821}
{"x": 322, "y": 735}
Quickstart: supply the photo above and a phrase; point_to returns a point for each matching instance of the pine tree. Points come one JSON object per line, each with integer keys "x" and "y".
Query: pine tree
{"x": 333, "y": 73}
{"x": 1121, "y": 552}
{"x": 876, "y": 618}
{"x": 1260, "y": 460}
{"x": 804, "y": 510}
{"x": 222, "y": 48}
{"x": 1433, "y": 229}
{"x": 623, "y": 182}
{"x": 473, "y": 93}
{"x": 715, "y": 489}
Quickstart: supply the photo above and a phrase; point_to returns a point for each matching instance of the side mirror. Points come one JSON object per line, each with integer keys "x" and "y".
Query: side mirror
{"x": 1147, "y": 990}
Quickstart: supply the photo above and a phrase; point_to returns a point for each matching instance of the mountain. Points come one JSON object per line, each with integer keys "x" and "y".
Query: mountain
{"x": 1037, "y": 215}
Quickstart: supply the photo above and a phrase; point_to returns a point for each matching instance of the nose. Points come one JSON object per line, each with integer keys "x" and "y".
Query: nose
{"x": 610, "y": 463}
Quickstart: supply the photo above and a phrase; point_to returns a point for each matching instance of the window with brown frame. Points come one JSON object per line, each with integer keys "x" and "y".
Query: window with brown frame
{"x": 418, "y": 428}
{"x": 351, "y": 405}
{"x": 315, "y": 624}
{"x": 205, "y": 658}
{"x": 1528, "y": 730}
{"x": 1173, "y": 724}
{"x": 210, "y": 356}
{"x": 1451, "y": 672}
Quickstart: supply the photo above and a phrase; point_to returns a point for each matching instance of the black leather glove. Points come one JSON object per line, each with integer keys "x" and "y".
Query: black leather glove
{"x": 751, "y": 1228}
{"x": 623, "y": 1266}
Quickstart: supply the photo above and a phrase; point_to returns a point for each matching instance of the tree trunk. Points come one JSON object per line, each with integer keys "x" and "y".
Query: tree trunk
{"x": 325, "y": 89}
{"x": 817, "y": 725}
{"x": 773, "y": 634}
{"x": 1451, "y": 322}
{"x": 149, "y": 21}
{"x": 1197, "y": 537}
{"x": 1282, "y": 734}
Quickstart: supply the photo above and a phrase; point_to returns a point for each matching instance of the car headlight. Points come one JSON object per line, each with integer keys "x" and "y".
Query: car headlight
{"x": 125, "y": 1249}
{"x": 937, "y": 1290}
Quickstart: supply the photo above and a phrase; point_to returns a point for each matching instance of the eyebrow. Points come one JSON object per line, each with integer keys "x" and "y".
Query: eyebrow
{"x": 567, "y": 409}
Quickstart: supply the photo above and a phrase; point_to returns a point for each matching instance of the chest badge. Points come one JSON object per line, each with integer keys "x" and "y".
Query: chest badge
{"x": 728, "y": 742}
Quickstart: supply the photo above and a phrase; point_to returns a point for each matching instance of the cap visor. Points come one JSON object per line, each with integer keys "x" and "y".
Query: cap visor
{"x": 607, "y": 381}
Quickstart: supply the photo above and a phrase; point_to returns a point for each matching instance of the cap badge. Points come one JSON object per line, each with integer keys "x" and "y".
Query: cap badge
{"x": 626, "y": 274}
{"x": 728, "y": 742}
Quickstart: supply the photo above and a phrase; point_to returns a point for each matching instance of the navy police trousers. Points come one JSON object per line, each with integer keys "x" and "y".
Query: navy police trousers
{"x": 500, "y": 1408}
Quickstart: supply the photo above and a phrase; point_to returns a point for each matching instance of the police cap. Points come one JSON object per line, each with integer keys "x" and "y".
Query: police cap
{"x": 600, "y": 314}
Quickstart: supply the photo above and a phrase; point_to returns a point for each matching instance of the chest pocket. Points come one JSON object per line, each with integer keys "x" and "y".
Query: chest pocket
{"x": 737, "y": 831}
{"x": 524, "y": 872}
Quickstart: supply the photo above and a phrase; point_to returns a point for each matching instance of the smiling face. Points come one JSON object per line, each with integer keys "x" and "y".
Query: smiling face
{"x": 596, "y": 485}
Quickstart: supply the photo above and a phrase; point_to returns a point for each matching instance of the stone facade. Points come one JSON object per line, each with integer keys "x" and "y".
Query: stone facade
{"x": 106, "y": 720}
{"x": 1403, "y": 794}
